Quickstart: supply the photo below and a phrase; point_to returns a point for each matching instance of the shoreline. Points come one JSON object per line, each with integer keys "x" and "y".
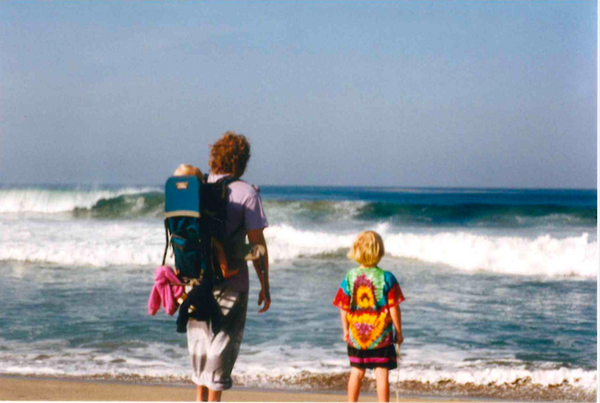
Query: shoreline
{"x": 48, "y": 388}
{"x": 18, "y": 387}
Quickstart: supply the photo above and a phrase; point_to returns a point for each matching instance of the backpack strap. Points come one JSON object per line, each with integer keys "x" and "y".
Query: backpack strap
{"x": 226, "y": 181}
{"x": 167, "y": 242}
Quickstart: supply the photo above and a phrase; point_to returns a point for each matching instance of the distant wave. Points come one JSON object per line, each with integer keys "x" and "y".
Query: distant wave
{"x": 135, "y": 202}
{"x": 150, "y": 204}
{"x": 434, "y": 215}
{"x": 479, "y": 215}
{"x": 81, "y": 202}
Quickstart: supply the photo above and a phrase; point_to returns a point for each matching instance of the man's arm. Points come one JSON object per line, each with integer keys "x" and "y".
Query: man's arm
{"x": 261, "y": 265}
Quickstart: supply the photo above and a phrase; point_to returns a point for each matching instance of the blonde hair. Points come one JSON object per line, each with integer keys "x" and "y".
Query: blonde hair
{"x": 368, "y": 249}
{"x": 187, "y": 169}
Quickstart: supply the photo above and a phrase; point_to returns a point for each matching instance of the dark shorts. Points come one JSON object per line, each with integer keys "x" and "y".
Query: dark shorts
{"x": 380, "y": 357}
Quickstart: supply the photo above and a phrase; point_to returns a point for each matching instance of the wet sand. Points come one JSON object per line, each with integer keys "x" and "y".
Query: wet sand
{"x": 26, "y": 388}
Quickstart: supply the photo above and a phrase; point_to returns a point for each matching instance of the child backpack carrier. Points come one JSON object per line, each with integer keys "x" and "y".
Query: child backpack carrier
{"x": 195, "y": 213}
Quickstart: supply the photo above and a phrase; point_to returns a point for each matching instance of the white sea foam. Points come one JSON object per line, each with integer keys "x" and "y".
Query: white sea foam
{"x": 279, "y": 365}
{"x": 544, "y": 255}
{"x": 437, "y": 363}
{"x": 82, "y": 243}
{"x": 286, "y": 242}
{"x": 53, "y": 201}
{"x": 499, "y": 376}
{"x": 113, "y": 243}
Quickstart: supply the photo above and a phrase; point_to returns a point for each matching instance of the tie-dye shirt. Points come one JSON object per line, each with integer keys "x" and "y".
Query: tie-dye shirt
{"x": 367, "y": 295}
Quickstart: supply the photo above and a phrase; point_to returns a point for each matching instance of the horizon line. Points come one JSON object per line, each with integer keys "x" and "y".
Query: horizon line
{"x": 316, "y": 186}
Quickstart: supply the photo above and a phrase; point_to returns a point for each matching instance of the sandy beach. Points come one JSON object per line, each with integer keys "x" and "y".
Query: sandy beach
{"x": 15, "y": 388}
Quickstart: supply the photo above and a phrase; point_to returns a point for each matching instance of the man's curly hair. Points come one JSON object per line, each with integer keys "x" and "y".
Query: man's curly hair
{"x": 230, "y": 155}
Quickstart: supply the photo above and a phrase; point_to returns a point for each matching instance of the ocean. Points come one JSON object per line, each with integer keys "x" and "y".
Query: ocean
{"x": 500, "y": 287}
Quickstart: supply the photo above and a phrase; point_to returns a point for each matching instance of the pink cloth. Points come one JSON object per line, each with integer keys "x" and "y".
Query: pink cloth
{"x": 164, "y": 291}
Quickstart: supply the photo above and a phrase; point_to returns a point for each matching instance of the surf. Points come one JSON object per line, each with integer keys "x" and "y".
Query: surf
{"x": 76, "y": 200}
{"x": 314, "y": 207}
{"x": 141, "y": 243}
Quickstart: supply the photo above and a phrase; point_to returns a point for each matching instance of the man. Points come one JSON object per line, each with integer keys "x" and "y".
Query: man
{"x": 213, "y": 356}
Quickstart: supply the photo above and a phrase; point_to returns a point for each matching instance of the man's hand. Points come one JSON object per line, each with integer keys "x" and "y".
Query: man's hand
{"x": 346, "y": 335}
{"x": 264, "y": 297}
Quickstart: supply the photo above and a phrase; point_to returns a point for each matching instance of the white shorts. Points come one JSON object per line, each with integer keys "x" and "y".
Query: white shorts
{"x": 213, "y": 356}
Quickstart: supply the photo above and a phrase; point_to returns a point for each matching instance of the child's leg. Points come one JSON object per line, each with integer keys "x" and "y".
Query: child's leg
{"x": 222, "y": 259}
{"x": 356, "y": 377}
{"x": 383, "y": 385}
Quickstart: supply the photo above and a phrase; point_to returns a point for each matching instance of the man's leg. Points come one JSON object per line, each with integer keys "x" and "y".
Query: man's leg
{"x": 201, "y": 394}
{"x": 214, "y": 395}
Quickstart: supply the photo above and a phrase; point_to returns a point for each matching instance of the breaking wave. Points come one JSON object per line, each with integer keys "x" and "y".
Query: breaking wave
{"x": 480, "y": 215}
{"x": 142, "y": 243}
{"x": 128, "y": 203}
{"x": 544, "y": 255}
{"x": 113, "y": 203}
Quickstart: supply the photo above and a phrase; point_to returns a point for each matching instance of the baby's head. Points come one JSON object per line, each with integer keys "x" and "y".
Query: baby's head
{"x": 187, "y": 169}
{"x": 368, "y": 249}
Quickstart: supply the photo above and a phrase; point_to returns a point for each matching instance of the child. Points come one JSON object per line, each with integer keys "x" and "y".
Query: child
{"x": 369, "y": 299}
{"x": 249, "y": 252}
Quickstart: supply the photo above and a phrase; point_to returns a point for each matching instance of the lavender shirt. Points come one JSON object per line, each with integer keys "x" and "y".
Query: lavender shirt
{"x": 245, "y": 210}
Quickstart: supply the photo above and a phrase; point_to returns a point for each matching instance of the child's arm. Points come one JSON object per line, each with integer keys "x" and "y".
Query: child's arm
{"x": 396, "y": 315}
{"x": 345, "y": 325}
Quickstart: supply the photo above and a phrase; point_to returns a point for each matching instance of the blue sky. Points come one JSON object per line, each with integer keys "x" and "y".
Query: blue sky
{"x": 398, "y": 93}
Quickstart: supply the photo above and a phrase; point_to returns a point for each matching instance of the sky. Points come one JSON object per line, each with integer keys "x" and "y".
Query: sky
{"x": 343, "y": 93}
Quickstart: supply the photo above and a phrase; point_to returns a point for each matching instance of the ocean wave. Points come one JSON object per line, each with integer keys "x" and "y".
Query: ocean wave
{"x": 479, "y": 215}
{"x": 544, "y": 255}
{"x": 149, "y": 204}
{"x": 286, "y": 242}
{"x": 82, "y": 202}
{"x": 431, "y": 215}
{"x": 141, "y": 243}
{"x": 82, "y": 243}
{"x": 127, "y": 203}
{"x": 312, "y": 211}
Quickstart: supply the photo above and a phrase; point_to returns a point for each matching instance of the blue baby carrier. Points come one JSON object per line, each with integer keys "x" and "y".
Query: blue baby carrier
{"x": 195, "y": 213}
